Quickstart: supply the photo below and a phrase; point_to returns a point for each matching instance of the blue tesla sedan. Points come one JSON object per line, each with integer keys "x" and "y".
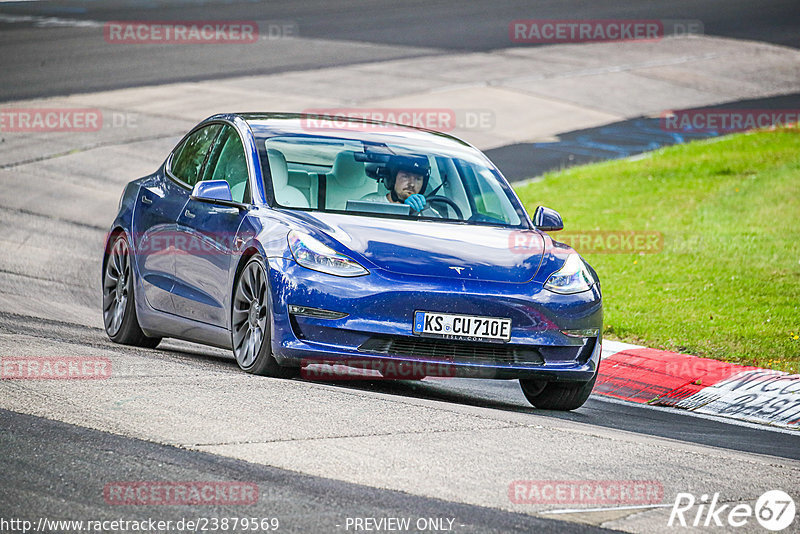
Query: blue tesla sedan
{"x": 297, "y": 239}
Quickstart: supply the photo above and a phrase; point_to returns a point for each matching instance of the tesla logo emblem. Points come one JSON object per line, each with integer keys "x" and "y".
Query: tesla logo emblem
{"x": 457, "y": 269}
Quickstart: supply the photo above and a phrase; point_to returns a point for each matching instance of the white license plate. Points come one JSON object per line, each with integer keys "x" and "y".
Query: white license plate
{"x": 470, "y": 327}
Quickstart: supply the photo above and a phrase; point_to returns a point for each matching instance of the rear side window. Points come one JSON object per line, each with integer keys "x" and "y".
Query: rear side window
{"x": 228, "y": 162}
{"x": 187, "y": 163}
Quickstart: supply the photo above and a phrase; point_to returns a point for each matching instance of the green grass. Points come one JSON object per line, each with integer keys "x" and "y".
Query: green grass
{"x": 727, "y": 283}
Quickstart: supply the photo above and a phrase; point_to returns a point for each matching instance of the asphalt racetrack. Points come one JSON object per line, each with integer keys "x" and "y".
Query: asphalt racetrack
{"x": 320, "y": 453}
{"x": 71, "y": 58}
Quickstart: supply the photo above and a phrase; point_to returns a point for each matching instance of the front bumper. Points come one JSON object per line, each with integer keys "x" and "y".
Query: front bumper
{"x": 380, "y": 309}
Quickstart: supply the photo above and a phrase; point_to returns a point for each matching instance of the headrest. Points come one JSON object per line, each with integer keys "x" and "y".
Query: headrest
{"x": 347, "y": 171}
{"x": 278, "y": 168}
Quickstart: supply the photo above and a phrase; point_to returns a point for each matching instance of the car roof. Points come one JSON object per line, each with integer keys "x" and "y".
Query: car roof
{"x": 265, "y": 125}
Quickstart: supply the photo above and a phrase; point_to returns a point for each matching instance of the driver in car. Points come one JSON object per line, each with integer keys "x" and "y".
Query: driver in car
{"x": 406, "y": 181}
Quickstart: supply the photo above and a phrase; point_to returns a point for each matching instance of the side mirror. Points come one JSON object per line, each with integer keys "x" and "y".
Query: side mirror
{"x": 547, "y": 220}
{"x": 212, "y": 190}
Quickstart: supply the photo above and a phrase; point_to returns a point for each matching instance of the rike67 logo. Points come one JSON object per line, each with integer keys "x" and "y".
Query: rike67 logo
{"x": 774, "y": 510}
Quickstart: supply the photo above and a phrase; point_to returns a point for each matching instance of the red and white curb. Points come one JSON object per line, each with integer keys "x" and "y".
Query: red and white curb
{"x": 701, "y": 385}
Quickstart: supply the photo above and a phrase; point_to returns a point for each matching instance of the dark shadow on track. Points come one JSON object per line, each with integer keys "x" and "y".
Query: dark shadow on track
{"x": 618, "y": 140}
{"x": 504, "y": 395}
{"x": 445, "y": 24}
{"x": 48, "y": 58}
{"x": 59, "y": 471}
{"x": 675, "y": 424}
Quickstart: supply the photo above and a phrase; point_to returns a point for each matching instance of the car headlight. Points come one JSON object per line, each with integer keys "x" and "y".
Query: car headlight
{"x": 312, "y": 254}
{"x": 573, "y": 277}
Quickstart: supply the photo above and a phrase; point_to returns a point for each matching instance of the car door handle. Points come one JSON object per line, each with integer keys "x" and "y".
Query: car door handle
{"x": 146, "y": 200}
{"x": 189, "y": 214}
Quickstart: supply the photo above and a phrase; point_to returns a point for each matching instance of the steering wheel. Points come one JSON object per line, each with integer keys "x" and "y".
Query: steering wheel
{"x": 445, "y": 200}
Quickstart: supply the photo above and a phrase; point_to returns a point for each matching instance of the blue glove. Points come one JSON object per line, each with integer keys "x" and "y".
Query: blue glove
{"x": 417, "y": 202}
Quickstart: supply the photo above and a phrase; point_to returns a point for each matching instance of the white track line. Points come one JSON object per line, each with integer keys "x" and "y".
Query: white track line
{"x": 630, "y": 507}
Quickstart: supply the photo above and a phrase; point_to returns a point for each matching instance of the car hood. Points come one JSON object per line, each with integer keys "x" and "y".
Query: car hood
{"x": 434, "y": 248}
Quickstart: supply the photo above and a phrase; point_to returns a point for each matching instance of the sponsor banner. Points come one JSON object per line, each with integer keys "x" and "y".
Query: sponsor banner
{"x": 759, "y": 396}
{"x": 702, "y": 385}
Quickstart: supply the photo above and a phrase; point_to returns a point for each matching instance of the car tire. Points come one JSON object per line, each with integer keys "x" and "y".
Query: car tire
{"x": 563, "y": 396}
{"x": 119, "y": 301}
{"x": 251, "y": 337}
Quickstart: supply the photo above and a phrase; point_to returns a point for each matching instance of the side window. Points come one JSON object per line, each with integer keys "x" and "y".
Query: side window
{"x": 189, "y": 157}
{"x": 490, "y": 199}
{"x": 228, "y": 162}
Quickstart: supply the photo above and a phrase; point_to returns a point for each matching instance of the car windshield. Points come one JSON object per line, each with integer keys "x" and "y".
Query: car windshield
{"x": 377, "y": 179}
